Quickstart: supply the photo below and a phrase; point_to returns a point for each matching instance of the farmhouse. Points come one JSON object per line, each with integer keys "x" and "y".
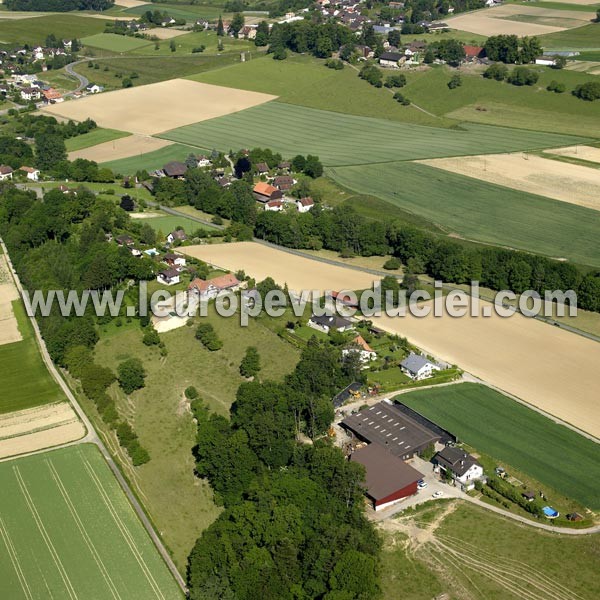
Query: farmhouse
{"x": 264, "y": 192}
{"x": 462, "y": 466}
{"x": 211, "y": 287}
{"x": 360, "y": 346}
{"x": 178, "y": 235}
{"x": 169, "y": 277}
{"x": 283, "y": 182}
{"x": 472, "y": 53}
{"x": 327, "y": 323}
{"x": 305, "y": 204}
{"x": 388, "y": 478}
{"x": 262, "y": 168}
{"x": 546, "y": 61}
{"x": 6, "y": 172}
{"x": 390, "y": 59}
{"x": 417, "y": 367}
{"x": 384, "y": 424}
{"x": 175, "y": 169}
{"x": 32, "y": 173}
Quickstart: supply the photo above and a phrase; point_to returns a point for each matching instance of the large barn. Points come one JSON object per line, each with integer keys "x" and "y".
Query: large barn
{"x": 388, "y": 426}
{"x": 388, "y": 478}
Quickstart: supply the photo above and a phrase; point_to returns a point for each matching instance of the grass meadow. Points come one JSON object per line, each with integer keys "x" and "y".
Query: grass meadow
{"x": 168, "y": 223}
{"x": 114, "y": 42}
{"x": 189, "y": 12}
{"x": 340, "y": 139}
{"x": 93, "y": 138}
{"x": 33, "y": 31}
{"x": 581, "y": 38}
{"x": 67, "y": 530}
{"x": 150, "y": 160}
{"x": 481, "y": 211}
{"x": 181, "y": 505}
{"x": 492, "y": 557}
{"x": 24, "y": 380}
{"x": 516, "y": 435}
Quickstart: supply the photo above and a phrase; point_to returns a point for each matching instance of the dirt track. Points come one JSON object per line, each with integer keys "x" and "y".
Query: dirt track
{"x": 529, "y": 173}
{"x": 166, "y": 105}
{"x": 551, "y": 369}
{"x": 9, "y": 330}
{"x": 588, "y": 153}
{"x": 131, "y": 145}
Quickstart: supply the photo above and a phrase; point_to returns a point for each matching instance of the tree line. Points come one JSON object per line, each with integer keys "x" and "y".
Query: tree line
{"x": 58, "y": 5}
{"x": 293, "y": 524}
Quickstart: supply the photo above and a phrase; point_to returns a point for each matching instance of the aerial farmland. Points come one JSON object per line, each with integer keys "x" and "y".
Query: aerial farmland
{"x": 202, "y": 203}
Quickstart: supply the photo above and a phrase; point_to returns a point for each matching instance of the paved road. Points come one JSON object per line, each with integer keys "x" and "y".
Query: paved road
{"x": 92, "y": 436}
{"x": 83, "y": 81}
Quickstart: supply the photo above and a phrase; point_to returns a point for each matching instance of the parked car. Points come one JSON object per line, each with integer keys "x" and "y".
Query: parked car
{"x": 438, "y": 494}
{"x": 422, "y": 484}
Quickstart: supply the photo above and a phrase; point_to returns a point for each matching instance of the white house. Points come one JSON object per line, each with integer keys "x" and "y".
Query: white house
{"x": 31, "y": 93}
{"x": 327, "y": 323}
{"x": 5, "y": 172}
{"x": 274, "y": 205}
{"x": 169, "y": 277}
{"x": 360, "y": 346}
{"x": 305, "y": 204}
{"x": 463, "y": 467}
{"x": 203, "y": 161}
{"x": 174, "y": 260}
{"x": 417, "y": 367}
{"x": 177, "y": 236}
{"x": 32, "y": 174}
{"x": 94, "y": 88}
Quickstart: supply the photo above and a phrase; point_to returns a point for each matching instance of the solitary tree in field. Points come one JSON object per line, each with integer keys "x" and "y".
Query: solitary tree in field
{"x": 131, "y": 375}
{"x": 220, "y": 29}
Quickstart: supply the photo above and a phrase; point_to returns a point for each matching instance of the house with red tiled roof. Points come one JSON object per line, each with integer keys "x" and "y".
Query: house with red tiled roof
{"x": 474, "y": 52}
{"x": 305, "y": 204}
{"x": 274, "y": 205}
{"x": 211, "y": 287}
{"x": 360, "y": 346}
{"x": 264, "y": 192}
{"x": 32, "y": 173}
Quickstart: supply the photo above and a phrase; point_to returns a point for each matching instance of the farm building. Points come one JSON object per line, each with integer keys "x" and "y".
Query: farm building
{"x": 326, "y": 323}
{"x": 388, "y": 478}
{"x": 211, "y": 287}
{"x": 463, "y": 467}
{"x": 445, "y": 436}
{"x": 545, "y": 61}
{"x": 473, "y": 53}
{"x": 384, "y": 424}
{"x": 175, "y": 169}
{"x": 417, "y": 367}
{"x": 263, "y": 192}
{"x": 390, "y": 59}
{"x": 283, "y": 182}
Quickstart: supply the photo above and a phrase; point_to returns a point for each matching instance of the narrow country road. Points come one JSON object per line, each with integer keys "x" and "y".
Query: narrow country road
{"x": 92, "y": 437}
{"x": 83, "y": 81}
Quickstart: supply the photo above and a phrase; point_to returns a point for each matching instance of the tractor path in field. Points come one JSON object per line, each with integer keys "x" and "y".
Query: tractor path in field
{"x": 92, "y": 435}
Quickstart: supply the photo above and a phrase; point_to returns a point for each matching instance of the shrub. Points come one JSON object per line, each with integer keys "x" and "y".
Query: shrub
{"x": 392, "y": 264}
{"x": 335, "y": 64}
{"x": 455, "y": 81}
{"x": 395, "y": 81}
{"x": 556, "y": 87}
{"x": 208, "y": 336}
{"x": 589, "y": 91}
{"x": 522, "y": 76}
{"x": 131, "y": 375}
{"x": 191, "y": 393}
{"x": 496, "y": 71}
{"x": 151, "y": 337}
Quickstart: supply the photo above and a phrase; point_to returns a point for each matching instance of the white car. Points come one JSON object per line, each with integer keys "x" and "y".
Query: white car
{"x": 422, "y": 484}
{"x": 438, "y": 494}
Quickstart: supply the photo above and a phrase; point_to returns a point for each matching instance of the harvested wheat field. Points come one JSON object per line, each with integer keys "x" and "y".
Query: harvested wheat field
{"x": 588, "y": 153}
{"x": 165, "y": 33}
{"x": 519, "y": 20}
{"x": 529, "y": 173}
{"x": 129, "y": 3}
{"x": 158, "y": 107}
{"x": 9, "y": 330}
{"x": 131, "y": 145}
{"x": 38, "y": 428}
{"x": 551, "y": 369}
{"x": 298, "y": 272}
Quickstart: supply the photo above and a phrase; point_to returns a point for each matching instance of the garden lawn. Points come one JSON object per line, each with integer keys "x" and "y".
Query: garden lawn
{"x": 24, "y": 379}
{"x": 180, "y": 504}
{"x": 114, "y": 42}
{"x": 67, "y": 530}
{"x": 151, "y": 160}
{"x": 93, "y": 138}
{"x": 340, "y": 139}
{"x": 481, "y": 211}
{"x": 169, "y": 223}
{"x": 35, "y": 30}
{"x": 510, "y": 432}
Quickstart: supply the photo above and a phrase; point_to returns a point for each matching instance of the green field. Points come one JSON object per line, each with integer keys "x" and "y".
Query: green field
{"x": 151, "y": 69}
{"x": 114, "y": 42}
{"x": 581, "y": 38}
{"x": 67, "y": 530}
{"x": 510, "y": 432}
{"x": 179, "y": 503}
{"x": 177, "y": 10}
{"x": 24, "y": 379}
{"x": 62, "y": 25}
{"x": 482, "y": 211}
{"x": 306, "y": 81}
{"x": 497, "y": 103}
{"x": 94, "y": 137}
{"x": 169, "y": 223}
{"x": 340, "y": 139}
{"x": 473, "y": 553}
{"x": 151, "y": 160}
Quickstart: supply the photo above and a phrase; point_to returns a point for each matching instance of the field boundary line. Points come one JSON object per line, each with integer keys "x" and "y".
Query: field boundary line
{"x": 48, "y": 541}
{"x": 14, "y": 559}
{"x": 123, "y": 529}
{"x": 82, "y": 530}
